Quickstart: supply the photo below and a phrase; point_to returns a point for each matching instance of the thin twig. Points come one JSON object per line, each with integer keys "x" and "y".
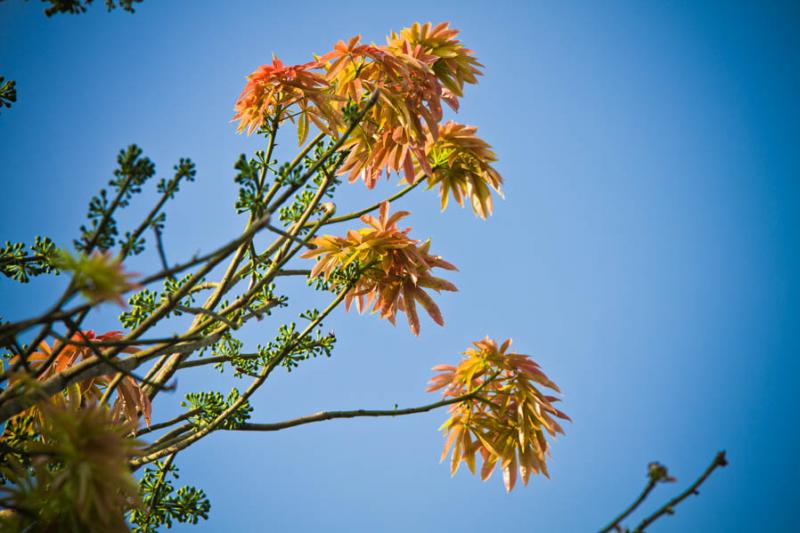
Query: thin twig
{"x": 331, "y": 415}
{"x": 288, "y": 236}
{"x": 171, "y": 436}
{"x": 157, "y": 487}
{"x": 167, "y": 194}
{"x": 201, "y": 432}
{"x": 160, "y": 247}
{"x": 669, "y": 508}
{"x": 56, "y": 315}
{"x": 615, "y": 524}
{"x": 207, "y": 312}
{"x": 374, "y": 207}
{"x": 297, "y": 272}
{"x": 167, "y": 423}
{"x": 125, "y": 343}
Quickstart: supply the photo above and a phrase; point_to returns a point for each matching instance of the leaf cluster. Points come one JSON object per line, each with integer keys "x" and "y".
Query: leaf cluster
{"x": 130, "y": 403}
{"x": 507, "y": 420}
{"x": 142, "y": 304}
{"x": 162, "y": 504}
{"x": 99, "y": 276}
{"x": 131, "y": 174}
{"x": 396, "y": 268}
{"x": 134, "y": 242}
{"x": 292, "y": 175}
{"x": 20, "y": 265}
{"x": 419, "y": 69}
{"x": 8, "y": 92}
{"x": 293, "y": 348}
{"x": 211, "y": 404}
{"x": 249, "y": 179}
{"x": 78, "y": 478}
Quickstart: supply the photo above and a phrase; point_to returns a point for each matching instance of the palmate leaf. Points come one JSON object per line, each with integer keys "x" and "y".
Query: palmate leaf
{"x": 454, "y": 66}
{"x": 414, "y": 73}
{"x": 462, "y": 167}
{"x": 507, "y": 420}
{"x": 280, "y": 91}
{"x": 131, "y": 403}
{"x": 397, "y": 269}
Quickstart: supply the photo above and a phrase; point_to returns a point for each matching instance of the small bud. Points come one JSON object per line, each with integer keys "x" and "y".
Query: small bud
{"x": 658, "y": 473}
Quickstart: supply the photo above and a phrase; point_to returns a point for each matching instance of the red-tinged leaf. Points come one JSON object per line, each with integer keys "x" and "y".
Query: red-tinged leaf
{"x": 435, "y": 387}
{"x": 488, "y": 468}
{"x": 524, "y": 465}
{"x": 511, "y": 422}
{"x": 126, "y": 402}
{"x": 318, "y": 268}
{"x": 396, "y": 260}
{"x": 348, "y": 300}
{"x": 451, "y": 437}
{"x": 469, "y": 452}
{"x": 487, "y": 444}
{"x": 438, "y": 382}
{"x": 147, "y": 408}
{"x": 542, "y": 441}
{"x": 455, "y": 458}
{"x": 430, "y": 306}
{"x": 392, "y": 221}
{"x": 505, "y": 346}
{"x": 561, "y": 415}
{"x": 543, "y": 468}
{"x": 510, "y": 475}
{"x": 68, "y": 356}
{"x": 411, "y": 310}
{"x": 437, "y": 284}
{"x": 384, "y": 212}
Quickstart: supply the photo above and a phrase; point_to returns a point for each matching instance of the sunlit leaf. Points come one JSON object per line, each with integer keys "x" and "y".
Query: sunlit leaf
{"x": 508, "y": 415}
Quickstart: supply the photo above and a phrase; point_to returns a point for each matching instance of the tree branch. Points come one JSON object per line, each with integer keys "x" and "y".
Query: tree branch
{"x": 615, "y": 524}
{"x": 160, "y": 247}
{"x": 55, "y": 314}
{"x": 201, "y": 432}
{"x": 374, "y": 207}
{"x": 331, "y": 415}
{"x": 669, "y": 508}
{"x": 166, "y": 424}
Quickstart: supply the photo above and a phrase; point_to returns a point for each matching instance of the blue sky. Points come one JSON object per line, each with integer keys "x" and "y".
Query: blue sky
{"x": 646, "y": 252}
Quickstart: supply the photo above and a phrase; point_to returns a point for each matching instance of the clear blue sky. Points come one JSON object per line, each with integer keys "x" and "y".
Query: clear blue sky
{"x": 646, "y": 254}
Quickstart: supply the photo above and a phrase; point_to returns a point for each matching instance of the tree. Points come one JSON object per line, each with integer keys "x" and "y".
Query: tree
{"x": 79, "y": 407}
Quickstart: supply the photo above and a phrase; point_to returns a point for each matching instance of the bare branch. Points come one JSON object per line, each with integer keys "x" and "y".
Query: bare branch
{"x": 375, "y": 207}
{"x": 207, "y": 312}
{"x": 166, "y": 424}
{"x": 331, "y": 415}
{"x": 290, "y": 237}
{"x": 669, "y": 508}
{"x": 615, "y": 524}
{"x": 160, "y": 247}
